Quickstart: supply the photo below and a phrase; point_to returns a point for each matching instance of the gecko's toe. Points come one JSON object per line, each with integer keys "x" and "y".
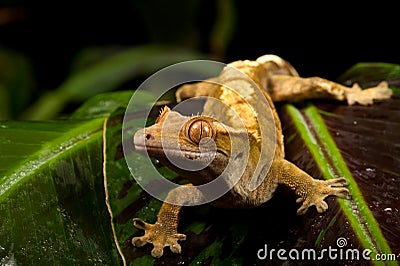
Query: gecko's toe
{"x": 319, "y": 203}
{"x": 306, "y": 203}
{"x": 302, "y": 210}
{"x": 335, "y": 187}
{"x": 157, "y": 252}
{"x": 321, "y": 206}
{"x": 300, "y": 200}
{"x": 176, "y": 248}
{"x": 180, "y": 236}
{"x": 139, "y": 241}
{"x": 140, "y": 224}
{"x": 336, "y": 182}
{"x": 341, "y": 192}
{"x": 173, "y": 242}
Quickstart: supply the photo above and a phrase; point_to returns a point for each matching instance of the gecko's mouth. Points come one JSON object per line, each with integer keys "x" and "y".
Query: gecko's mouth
{"x": 173, "y": 152}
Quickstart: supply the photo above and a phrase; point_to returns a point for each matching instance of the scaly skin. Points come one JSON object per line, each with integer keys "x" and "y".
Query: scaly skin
{"x": 275, "y": 80}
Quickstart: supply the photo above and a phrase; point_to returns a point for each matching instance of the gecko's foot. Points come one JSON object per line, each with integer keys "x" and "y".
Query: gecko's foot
{"x": 367, "y": 96}
{"x": 322, "y": 189}
{"x": 160, "y": 235}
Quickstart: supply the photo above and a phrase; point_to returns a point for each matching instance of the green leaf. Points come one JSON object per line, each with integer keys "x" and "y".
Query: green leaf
{"x": 52, "y": 199}
{"x": 102, "y": 105}
{"x": 16, "y": 82}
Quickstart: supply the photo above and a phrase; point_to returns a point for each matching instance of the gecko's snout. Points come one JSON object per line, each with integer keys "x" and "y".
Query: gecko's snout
{"x": 139, "y": 139}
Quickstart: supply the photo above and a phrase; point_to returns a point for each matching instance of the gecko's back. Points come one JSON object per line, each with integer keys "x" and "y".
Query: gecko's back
{"x": 242, "y": 95}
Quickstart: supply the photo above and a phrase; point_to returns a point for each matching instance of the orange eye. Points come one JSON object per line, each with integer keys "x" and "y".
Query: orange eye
{"x": 198, "y": 130}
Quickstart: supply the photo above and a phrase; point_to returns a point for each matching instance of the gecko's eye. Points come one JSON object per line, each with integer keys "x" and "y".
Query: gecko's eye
{"x": 198, "y": 130}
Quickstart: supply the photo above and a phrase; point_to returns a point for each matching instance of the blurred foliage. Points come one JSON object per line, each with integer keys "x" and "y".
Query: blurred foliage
{"x": 16, "y": 83}
{"x": 106, "y": 75}
{"x": 92, "y": 69}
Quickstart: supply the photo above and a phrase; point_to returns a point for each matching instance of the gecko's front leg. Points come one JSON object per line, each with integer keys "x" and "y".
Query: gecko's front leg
{"x": 164, "y": 232}
{"x": 311, "y": 192}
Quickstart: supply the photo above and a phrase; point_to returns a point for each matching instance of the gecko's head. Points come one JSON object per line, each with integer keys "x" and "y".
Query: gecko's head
{"x": 188, "y": 144}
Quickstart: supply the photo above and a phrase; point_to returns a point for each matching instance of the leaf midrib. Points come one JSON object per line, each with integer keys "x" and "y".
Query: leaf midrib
{"x": 364, "y": 225}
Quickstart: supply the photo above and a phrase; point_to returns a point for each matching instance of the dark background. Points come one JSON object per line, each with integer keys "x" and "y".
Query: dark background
{"x": 318, "y": 40}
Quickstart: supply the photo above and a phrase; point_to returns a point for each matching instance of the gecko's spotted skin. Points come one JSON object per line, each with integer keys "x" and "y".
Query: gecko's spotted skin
{"x": 278, "y": 81}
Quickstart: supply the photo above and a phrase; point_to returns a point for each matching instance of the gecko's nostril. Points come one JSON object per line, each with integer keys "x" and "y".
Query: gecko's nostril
{"x": 148, "y": 136}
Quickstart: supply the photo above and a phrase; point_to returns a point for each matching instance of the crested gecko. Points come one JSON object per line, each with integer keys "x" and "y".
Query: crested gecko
{"x": 276, "y": 80}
